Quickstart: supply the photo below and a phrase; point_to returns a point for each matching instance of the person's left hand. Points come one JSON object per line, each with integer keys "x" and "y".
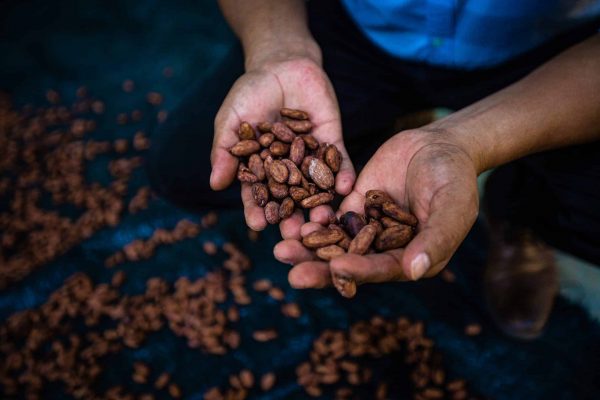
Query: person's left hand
{"x": 424, "y": 171}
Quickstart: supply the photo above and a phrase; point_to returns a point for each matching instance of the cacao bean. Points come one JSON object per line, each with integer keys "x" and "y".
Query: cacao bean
{"x": 272, "y": 212}
{"x": 362, "y": 241}
{"x": 264, "y": 127}
{"x": 310, "y": 141}
{"x": 294, "y": 114}
{"x": 388, "y": 222}
{"x": 345, "y": 242}
{"x": 320, "y": 174}
{"x": 266, "y": 139}
{"x": 316, "y": 200}
{"x": 246, "y": 131}
{"x": 294, "y": 176}
{"x": 304, "y": 166}
{"x": 278, "y": 190}
{"x": 346, "y": 286}
{"x": 328, "y": 253}
{"x": 278, "y": 171}
{"x": 297, "y": 193}
{"x": 333, "y": 158}
{"x": 352, "y": 222}
{"x": 322, "y": 238}
{"x": 286, "y": 208}
{"x": 256, "y": 165}
{"x": 245, "y": 175}
{"x": 244, "y": 148}
{"x": 282, "y": 132}
{"x": 297, "y": 126}
{"x": 393, "y": 210}
{"x": 297, "y": 150}
{"x": 393, "y": 238}
{"x": 376, "y": 198}
{"x": 260, "y": 192}
{"x": 265, "y": 153}
{"x": 279, "y": 149}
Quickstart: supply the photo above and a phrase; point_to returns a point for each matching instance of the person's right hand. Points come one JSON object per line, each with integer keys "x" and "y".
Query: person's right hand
{"x": 257, "y": 96}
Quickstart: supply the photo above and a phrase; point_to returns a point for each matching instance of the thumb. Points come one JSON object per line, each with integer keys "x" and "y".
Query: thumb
{"x": 224, "y": 164}
{"x": 452, "y": 212}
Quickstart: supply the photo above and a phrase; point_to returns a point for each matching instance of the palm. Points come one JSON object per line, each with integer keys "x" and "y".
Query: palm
{"x": 258, "y": 96}
{"x": 433, "y": 179}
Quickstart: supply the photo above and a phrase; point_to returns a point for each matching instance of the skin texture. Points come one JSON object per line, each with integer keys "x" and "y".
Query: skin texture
{"x": 432, "y": 170}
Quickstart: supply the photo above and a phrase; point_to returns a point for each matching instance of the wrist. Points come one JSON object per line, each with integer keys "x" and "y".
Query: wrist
{"x": 260, "y": 55}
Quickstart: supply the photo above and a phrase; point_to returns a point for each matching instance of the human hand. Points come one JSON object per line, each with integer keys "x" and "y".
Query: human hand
{"x": 424, "y": 171}
{"x": 258, "y": 95}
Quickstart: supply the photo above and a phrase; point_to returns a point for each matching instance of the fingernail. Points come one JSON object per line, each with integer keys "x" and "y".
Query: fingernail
{"x": 419, "y": 265}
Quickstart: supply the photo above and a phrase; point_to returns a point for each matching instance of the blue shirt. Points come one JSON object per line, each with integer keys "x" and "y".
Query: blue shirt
{"x": 466, "y": 33}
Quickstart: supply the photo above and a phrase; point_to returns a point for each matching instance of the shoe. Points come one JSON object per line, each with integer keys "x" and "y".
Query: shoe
{"x": 520, "y": 282}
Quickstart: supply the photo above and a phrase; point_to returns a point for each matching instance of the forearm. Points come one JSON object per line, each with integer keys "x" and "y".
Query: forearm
{"x": 557, "y": 105}
{"x": 271, "y": 28}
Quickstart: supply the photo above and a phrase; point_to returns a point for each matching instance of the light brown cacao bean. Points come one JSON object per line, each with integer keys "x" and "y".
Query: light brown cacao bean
{"x": 320, "y": 174}
{"x": 260, "y": 192}
{"x": 376, "y": 198}
{"x": 292, "y": 113}
{"x": 272, "y": 212}
{"x": 346, "y": 286}
{"x": 266, "y": 139}
{"x": 265, "y": 153}
{"x": 294, "y": 174}
{"x": 297, "y": 150}
{"x": 264, "y": 127}
{"x": 278, "y": 171}
{"x": 286, "y": 208}
{"x": 316, "y": 200}
{"x": 256, "y": 165}
{"x": 345, "y": 242}
{"x": 362, "y": 241}
{"x": 321, "y": 238}
{"x": 297, "y": 193}
{"x": 394, "y": 237}
{"x": 333, "y": 157}
{"x": 279, "y": 149}
{"x": 388, "y": 222}
{"x": 310, "y": 141}
{"x": 297, "y": 126}
{"x": 246, "y": 131}
{"x": 245, "y": 175}
{"x": 278, "y": 190}
{"x": 393, "y": 210}
{"x": 282, "y": 132}
{"x": 244, "y": 148}
{"x": 328, "y": 253}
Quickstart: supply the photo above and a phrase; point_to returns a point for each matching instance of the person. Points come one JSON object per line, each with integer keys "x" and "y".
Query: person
{"x": 524, "y": 81}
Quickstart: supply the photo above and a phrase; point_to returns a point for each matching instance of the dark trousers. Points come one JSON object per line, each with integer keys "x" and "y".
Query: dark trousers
{"x": 555, "y": 193}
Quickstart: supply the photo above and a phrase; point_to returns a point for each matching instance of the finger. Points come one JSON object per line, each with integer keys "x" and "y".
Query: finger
{"x": 309, "y": 227}
{"x": 452, "y": 213}
{"x": 344, "y": 180}
{"x": 355, "y": 201}
{"x": 224, "y": 165}
{"x": 373, "y": 268}
{"x": 255, "y": 215}
{"x": 291, "y": 251}
{"x": 290, "y": 227}
{"x": 323, "y": 215}
{"x": 310, "y": 274}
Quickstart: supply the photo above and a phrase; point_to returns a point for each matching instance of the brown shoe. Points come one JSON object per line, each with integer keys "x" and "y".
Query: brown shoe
{"x": 520, "y": 282}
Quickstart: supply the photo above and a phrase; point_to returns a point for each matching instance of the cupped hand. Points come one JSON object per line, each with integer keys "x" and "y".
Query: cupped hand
{"x": 425, "y": 172}
{"x": 258, "y": 95}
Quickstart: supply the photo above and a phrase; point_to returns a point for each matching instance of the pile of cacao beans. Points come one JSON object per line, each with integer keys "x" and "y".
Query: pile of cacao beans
{"x": 300, "y": 172}
{"x": 286, "y": 165}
